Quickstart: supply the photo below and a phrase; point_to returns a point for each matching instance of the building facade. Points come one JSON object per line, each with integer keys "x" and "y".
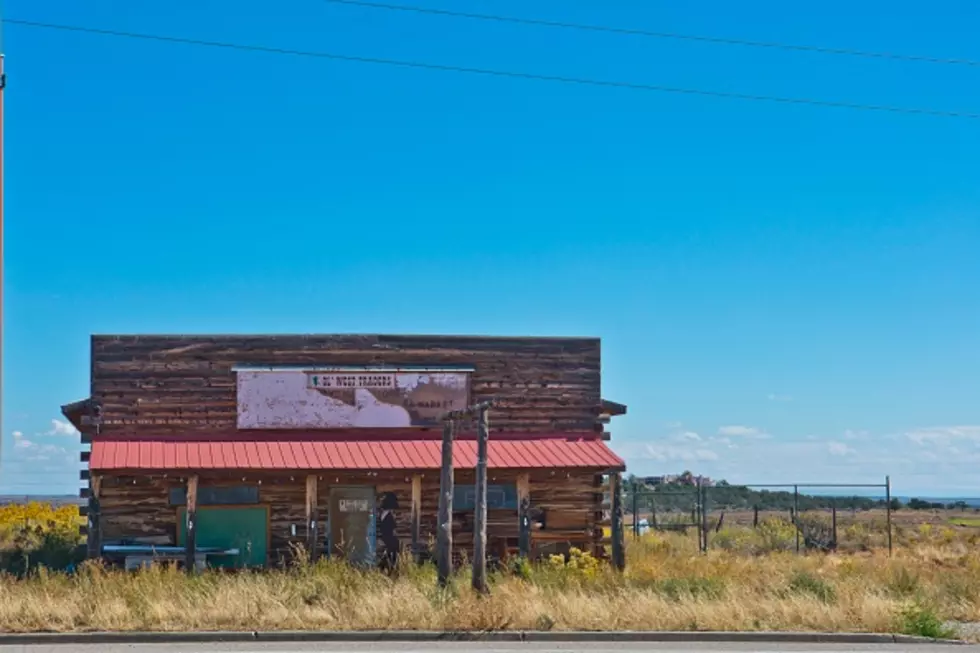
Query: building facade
{"x": 269, "y": 445}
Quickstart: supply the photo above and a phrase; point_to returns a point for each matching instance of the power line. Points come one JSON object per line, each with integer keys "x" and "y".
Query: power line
{"x": 717, "y": 40}
{"x": 636, "y": 86}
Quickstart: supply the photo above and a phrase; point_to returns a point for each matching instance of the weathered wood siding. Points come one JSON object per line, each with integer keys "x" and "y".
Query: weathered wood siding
{"x": 137, "y": 508}
{"x": 185, "y": 384}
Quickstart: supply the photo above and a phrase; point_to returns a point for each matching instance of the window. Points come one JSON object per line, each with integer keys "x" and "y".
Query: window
{"x": 499, "y": 497}
{"x": 233, "y": 495}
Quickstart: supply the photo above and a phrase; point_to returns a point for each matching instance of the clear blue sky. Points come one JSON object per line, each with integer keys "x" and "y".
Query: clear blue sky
{"x": 785, "y": 293}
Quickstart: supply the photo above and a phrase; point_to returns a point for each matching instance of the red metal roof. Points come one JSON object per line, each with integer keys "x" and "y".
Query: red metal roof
{"x": 172, "y": 454}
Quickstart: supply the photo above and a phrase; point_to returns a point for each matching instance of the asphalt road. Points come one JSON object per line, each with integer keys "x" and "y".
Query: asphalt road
{"x": 475, "y": 647}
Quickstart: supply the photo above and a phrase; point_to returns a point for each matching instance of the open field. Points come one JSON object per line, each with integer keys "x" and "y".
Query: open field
{"x": 932, "y": 578}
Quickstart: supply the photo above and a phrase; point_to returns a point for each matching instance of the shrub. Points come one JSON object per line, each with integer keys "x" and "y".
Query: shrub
{"x": 776, "y": 534}
{"x": 806, "y": 583}
{"x": 921, "y": 620}
{"x": 733, "y": 539}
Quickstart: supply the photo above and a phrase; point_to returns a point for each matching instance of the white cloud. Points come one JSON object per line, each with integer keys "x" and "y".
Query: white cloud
{"x": 686, "y": 436}
{"x": 59, "y": 427}
{"x": 18, "y": 434}
{"x": 944, "y": 435}
{"x": 742, "y": 432}
{"x": 851, "y": 434}
{"x": 839, "y": 448}
{"x": 664, "y": 453}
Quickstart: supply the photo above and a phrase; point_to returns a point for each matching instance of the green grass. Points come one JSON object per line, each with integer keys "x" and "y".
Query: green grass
{"x": 973, "y": 522}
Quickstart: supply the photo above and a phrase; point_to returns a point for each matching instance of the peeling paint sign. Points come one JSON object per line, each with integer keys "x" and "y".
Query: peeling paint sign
{"x": 282, "y": 399}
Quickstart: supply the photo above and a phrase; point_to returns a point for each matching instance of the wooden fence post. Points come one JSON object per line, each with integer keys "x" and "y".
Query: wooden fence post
{"x": 444, "y": 551}
{"x": 480, "y": 519}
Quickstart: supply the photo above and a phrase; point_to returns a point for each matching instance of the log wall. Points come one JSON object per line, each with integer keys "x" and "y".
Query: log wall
{"x": 185, "y": 384}
{"x": 136, "y": 509}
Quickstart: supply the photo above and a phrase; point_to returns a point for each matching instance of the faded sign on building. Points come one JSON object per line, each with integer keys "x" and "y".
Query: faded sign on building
{"x": 348, "y": 398}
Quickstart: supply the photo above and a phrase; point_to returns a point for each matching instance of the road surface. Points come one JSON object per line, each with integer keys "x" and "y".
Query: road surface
{"x": 476, "y": 647}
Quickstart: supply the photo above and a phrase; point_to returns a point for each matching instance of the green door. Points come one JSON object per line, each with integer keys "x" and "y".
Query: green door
{"x": 245, "y": 529}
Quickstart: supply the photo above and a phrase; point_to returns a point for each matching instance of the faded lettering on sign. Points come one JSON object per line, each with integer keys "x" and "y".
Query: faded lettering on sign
{"x": 334, "y": 381}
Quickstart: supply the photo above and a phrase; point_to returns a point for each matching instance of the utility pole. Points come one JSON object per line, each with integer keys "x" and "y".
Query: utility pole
{"x": 3, "y": 85}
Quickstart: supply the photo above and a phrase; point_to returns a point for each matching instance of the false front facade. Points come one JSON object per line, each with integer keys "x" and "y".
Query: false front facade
{"x": 269, "y": 445}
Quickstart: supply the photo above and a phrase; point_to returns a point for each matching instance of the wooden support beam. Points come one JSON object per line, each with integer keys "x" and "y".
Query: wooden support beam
{"x": 190, "y": 545}
{"x": 83, "y": 456}
{"x": 312, "y": 518}
{"x": 480, "y": 518}
{"x": 616, "y": 505}
{"x": 93, "y": 535}
{"x": 523, "y": 514}
{"x": 83, "y": 474}
{"x": 444, "y": 552}
{"x": 416, "y": 516}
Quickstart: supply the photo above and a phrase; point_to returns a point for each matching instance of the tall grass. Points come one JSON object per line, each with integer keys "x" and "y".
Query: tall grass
{"x": 668, "y": 585}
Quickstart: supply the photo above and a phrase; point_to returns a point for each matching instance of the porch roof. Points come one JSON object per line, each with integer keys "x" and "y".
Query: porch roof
{"x": 368, "y": 455}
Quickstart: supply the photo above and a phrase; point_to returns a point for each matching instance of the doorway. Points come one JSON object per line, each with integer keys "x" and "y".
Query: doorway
{"x": 352, "y": 524}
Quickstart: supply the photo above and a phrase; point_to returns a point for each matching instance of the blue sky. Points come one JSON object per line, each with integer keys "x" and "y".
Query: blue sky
{"x": 785, "y": 293}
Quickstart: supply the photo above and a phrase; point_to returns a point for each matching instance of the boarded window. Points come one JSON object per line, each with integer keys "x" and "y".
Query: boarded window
{"x": 499, "y": 497}
{"x": 233, "y": 495}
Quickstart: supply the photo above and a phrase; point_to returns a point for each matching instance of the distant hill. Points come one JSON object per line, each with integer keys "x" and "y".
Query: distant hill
{"x": 678, "y": 492}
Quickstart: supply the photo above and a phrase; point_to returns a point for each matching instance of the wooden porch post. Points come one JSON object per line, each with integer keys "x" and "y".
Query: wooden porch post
{"x": 94, "y": 522}
{"x": 444, "y": 554}
{"x": 416, "y": 516}
{"x": 190, "y": 545}
{"x": 616, "y": 506}
{"x": 523, "y": 518}
{"x": 312, "y": 519}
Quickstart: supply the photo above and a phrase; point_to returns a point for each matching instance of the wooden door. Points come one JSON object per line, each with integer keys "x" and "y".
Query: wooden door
{"x": 352, "y": 524}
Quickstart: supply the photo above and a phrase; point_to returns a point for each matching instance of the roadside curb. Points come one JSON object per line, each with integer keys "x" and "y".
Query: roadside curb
{"x": 408, "y": 636}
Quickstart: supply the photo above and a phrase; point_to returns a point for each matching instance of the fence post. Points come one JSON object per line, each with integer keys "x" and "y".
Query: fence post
{"x": 888, "y": 510}
{"x": 755, "y": 516}
{"x": 696, "y": 511}
{"x": 636, "y": 509}
{"x": 833, "y": 520}
{"x": 796, "y": 514}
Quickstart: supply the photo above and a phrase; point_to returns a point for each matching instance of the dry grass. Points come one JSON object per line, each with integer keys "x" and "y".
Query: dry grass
{"x": 667, "y": 586}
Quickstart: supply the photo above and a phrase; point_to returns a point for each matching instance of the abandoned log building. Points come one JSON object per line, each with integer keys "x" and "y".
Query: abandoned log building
{"x": 332, "y": 443}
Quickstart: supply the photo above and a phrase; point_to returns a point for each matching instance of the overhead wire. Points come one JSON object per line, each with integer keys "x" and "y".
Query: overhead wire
{"x": 718, "y": 40}
{"x": 489, "y": 72}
